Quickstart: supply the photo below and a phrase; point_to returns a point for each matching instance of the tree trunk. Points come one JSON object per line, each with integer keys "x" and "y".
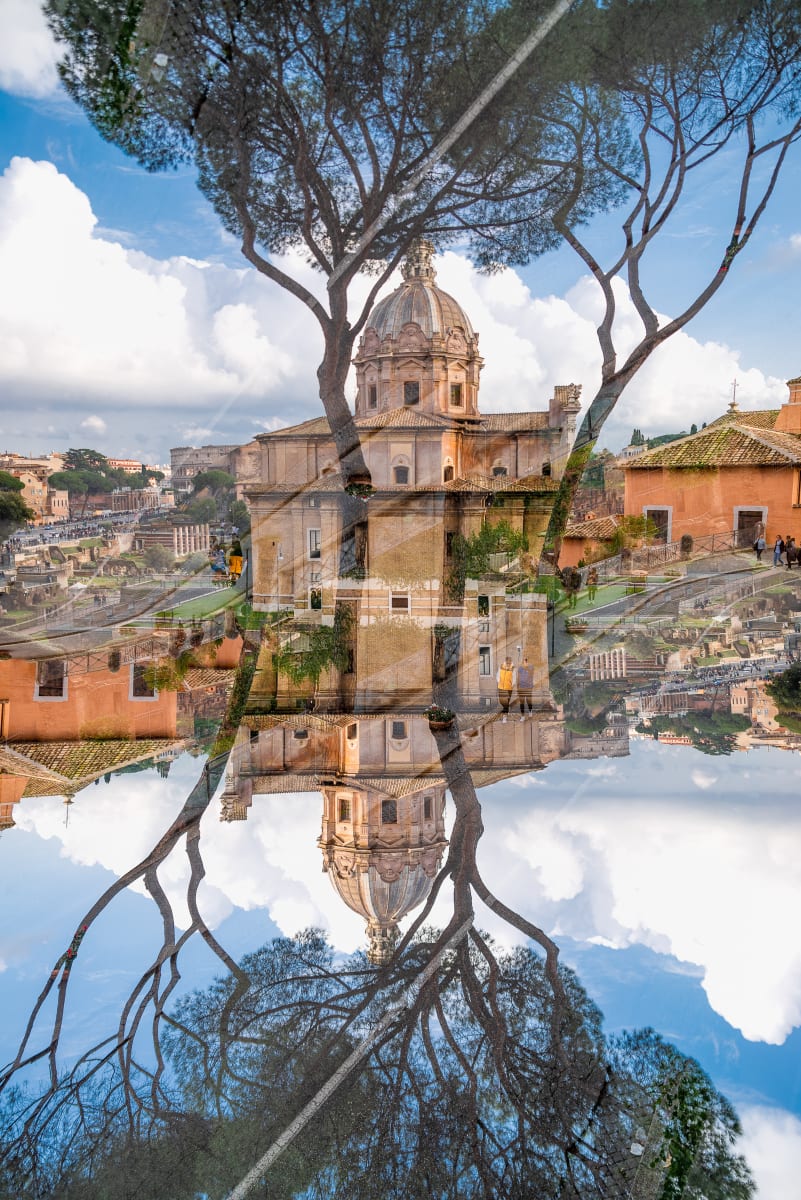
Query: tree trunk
{"x": 332, "y": 375}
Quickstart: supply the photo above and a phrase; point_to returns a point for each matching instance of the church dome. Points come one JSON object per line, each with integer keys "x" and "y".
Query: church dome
{"x": 382, "y": 886}
{"x": 420, "y": 301}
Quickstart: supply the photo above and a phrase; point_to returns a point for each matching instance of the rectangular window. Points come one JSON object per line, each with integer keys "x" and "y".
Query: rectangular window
{"x": 51, "y": 679}
{"x": 401, "y": 474}
{"x": 315, "y": 542}
{"x": 372, "y": 396}
{"x": 456, "y": 395}
{"x": 315, "y": 599}
{"x": 143, "y": 685}
{"x": 399, "y": 730}
{"x": 399, "y": 602}
{"x": 353, "y": 731}
{"x": 484, "y": 660}
{"x": 389, "y": 812}
{"x": 411, "y": 392}
{"x": 449, "y": 538}
{"x": 344, "y": 808}
{"x": 483, "y": 606}
{"x": 427, "y": 808}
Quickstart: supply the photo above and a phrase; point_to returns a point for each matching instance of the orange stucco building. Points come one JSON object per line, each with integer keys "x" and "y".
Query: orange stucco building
{"x": 51, "y": 700}
{"x": 741, "y": 471}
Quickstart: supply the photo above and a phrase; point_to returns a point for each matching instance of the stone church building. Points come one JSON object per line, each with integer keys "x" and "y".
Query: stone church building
{"x": 441, "y": 470}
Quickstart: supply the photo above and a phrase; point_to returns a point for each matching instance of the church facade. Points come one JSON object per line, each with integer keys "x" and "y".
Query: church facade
{"x": 441, "y": 471}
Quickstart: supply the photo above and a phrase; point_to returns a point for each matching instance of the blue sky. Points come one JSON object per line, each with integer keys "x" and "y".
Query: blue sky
{"x": 664, "y": 876}
{"x": 132, "y": 323}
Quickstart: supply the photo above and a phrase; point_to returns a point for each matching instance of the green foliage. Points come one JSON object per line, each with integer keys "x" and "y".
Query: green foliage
{"x": 239, "y": 515}
{"x": 326, "y": 646}
{"x": 710, "y": 732}
{"x": 786, "y": 689}
{"x": 471, "y": 555}
{"x": 691, "y": 1128}
{"x": 665, "y": 438}
{"x": 637, "y": 438}
{"x": 13, "y": 512}
{"x": 168, "y": 674}
{"x": 10, "y": 483}
{"x": 630, "y": 531}
{"x": 68, "y": 481}
{"x": 202, "y": 511}
{"x": 89, "y": 471}
{"x": 159, "y": 558}
{"x": 215, "y": 480}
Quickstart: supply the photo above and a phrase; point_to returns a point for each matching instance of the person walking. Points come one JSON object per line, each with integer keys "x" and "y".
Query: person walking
{"x": 592, "y": 583}
{"x": 525, "y": 684}
{"x": 778, "y": 550}
{"x": 506, "y": 682}
{"x": 789, "y": 550}
{"x": 759, "y": 546}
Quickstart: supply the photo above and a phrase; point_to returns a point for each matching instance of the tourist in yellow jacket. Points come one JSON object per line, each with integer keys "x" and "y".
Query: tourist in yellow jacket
{"x": 506, "y": 683}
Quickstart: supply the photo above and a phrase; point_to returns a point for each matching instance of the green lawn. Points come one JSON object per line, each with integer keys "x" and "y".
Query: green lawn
{"x": 206, "y": 606}
{"x": 17, "y": 614}
{"x": 605, "y": 595}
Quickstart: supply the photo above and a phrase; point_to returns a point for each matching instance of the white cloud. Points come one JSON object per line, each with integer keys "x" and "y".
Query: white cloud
{"x": 90, "y": 320}
{"x": 102, "y": 329}
{"x": 270, "y": 862}
{"x": 703, "y": 779}
{"x": 532, "y": 343}
{"x": 28, "y": 53}
{"x": 94, "y": 425}
{"x": 704, "y": 877}
{"x": 708, "y": 883}
{"x": 771, "y": 1144}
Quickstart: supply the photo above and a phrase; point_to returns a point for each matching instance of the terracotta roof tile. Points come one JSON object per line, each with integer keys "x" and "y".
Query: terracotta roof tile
{"x": 296, "y": 486}
{"x": 758, "y": 418}
{"x": 85, "y": 760}
{"x": 197, "y": 677}
{"x": 601, "y": 528}
{"x": 404, "y": 418}
{"x": 731, "y": 443}
{"x": 316, "y": 427}
{"x": 407, "y": 417}
{"x": 513, "y": 422}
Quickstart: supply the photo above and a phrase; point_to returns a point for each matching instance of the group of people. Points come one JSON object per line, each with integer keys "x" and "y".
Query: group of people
{"x": 226, "y": 564}
{"x": 782, "y": 546}
{"x": 522, "y": 677}
{"x": 571, "y": 582}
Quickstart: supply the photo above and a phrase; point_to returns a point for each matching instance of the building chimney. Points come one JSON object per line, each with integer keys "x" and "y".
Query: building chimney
{"x": 789, "y": 418}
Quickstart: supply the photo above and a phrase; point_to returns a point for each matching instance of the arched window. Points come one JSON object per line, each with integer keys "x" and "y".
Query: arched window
{"x": 498, "y": 470}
